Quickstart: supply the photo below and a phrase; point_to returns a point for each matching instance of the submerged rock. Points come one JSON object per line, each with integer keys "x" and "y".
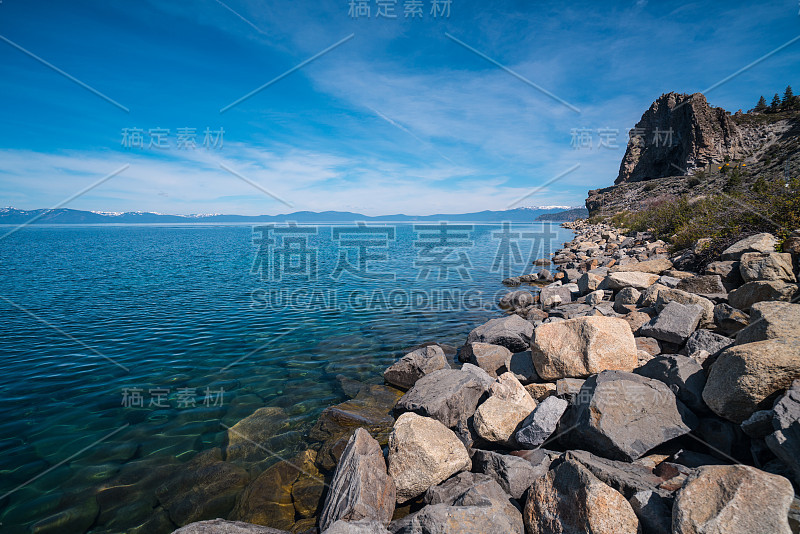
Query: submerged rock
{"x": 221, "y": 526}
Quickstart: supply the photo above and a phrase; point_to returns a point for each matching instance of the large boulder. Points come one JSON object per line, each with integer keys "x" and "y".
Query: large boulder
{"x": 768, "y": 266}
{"x": 541, "y": 423}
{"x": 674, "y": 324}
{"x": 494, "y": 359}
{"x": 498, "y": 417}
{"x": 747, "y": 378}
{"x": 360, "y": 488}
{"x": 732, "y": 499}
{"x": 755, "y": 243}
{"x": 405, "y": 372}
{"x": 682, "y": 374}
{"x": 622, "y": 416}
{"x": 750, "y": 293}
{"x": 770, "y": 320}
{"x": 633, "y": 279}
{"x": 514, "y": 474}
{"x": 579, "y": 347}
{"x": 569, "y": 499}
{"x": 728, "y": 319}
{"x": 448, "y": 395}
{"x": 512, "y": 332}
{"x": 422, "y": 453}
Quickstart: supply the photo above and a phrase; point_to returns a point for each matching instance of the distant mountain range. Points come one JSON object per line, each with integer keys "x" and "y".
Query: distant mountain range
{"x": 70, "y": 216}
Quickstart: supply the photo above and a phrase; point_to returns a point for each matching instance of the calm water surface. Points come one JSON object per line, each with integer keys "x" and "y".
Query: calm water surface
{"x": 130, "y": 347}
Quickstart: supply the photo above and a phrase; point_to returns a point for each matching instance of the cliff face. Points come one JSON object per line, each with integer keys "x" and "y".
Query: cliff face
{"x": 678, "y": 134}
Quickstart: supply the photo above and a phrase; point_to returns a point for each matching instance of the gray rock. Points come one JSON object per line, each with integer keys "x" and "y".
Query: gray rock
{"x": 423, "y": 453}
{"x": 407, "y": 370}
{"x": 595, "y": 297}
{"x": 466, "y": 503}
{"x": 521, "y": 366}
{"x": 755, "y": 243}
{"x": 221, "y": 526}
{"x": 654, "y": 512}
{"x": 622, "y": 416}
{"x": 626, "y": 478}
{"x": 709, "y": 284}
{"x": 668, "y": 281}
{"x": 746, "y": 378}
{"x": 785, "y": 441}
{"x": 674, "y": 324}
{"x": 769, "y": 320}
{"x": 732, "y": 499}
{"x": 512, "y": 332}
{"x": 571, "y": 310}
{"x": 494, "y": 359}
{"x": 666, "y": 295}
{"x": 729, "y": 319}
{"x": 727, "y": 270}
{"x": 758, "y": 425}
{"x": 626, "y": 299}
{"x": 360, "y": 488}
{"x": 769, "y": 266}
{"x": 589, "y": 282}
{"x": 516, "y": 299}
{"x": 563, "y": 292}
{"x": 706, "y": 340}
{"x": 541, "y": 423}
{"x": 683, "y": 375}
{"x": 357, "y": 527}
{"x": 750, "y": 293}
{"x": 448, "y": 395}
{"x": 568, "y": 388}
{"x": 514, "y": 474}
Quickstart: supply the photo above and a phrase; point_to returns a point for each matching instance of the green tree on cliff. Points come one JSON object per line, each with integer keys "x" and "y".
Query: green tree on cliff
{"x": 776, "y": 104}
{"x": 789, "y": 101}
{"x": 761, "y": 107}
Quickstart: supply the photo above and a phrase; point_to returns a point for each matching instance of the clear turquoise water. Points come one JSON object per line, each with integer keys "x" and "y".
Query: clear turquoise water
{"x": 88, "y": 312}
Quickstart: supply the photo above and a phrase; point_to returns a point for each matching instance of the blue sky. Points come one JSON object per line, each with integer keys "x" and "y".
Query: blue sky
{"x": 400, "y": 118}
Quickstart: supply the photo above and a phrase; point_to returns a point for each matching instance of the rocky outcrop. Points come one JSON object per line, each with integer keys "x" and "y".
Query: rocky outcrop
{"x": 679, "y": 130}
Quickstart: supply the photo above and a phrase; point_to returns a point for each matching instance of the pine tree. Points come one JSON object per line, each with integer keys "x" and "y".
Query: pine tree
{"x": 776, "y": 104}
{"x": 761, "y": 107}
{"x": 788, "y": 98}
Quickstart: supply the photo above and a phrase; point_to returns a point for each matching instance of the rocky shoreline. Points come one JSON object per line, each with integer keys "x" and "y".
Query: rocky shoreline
{"x": 626, "y": 394}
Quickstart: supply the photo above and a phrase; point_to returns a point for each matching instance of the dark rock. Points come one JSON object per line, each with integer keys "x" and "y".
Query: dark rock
{"x": 758, "y": 425}
{"x": 454, "y": 487}
{"x": 521, "y": 366}
{"x": 710, "y": 284}
{"x": 728, "y": 271}
{"x": 448, "y": 395}
{"x": 674, "y": 324}
{"x": 512, "y": 332}
{"x": 706, "y": 340}
{"x": 414, "y": 365}
{"x": 654, "y": 512}
{"x": 729, "y": 319}
{"x": 357, "y": 527}
{"x": 516, "y": 299}
{"x": 750, "y": 293}
{"x": 493, "y": 359}
{"x": 622, "y": 415}
{"x": 785, "y": 441}
{"x": 514, "y": 474}
{"x": 360, "y": 488}
{"x": 683, "y": 375}
{"x": 693, "y": 459}
{"x": 624, "y": 477}
{"x": 541, "y": 423}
